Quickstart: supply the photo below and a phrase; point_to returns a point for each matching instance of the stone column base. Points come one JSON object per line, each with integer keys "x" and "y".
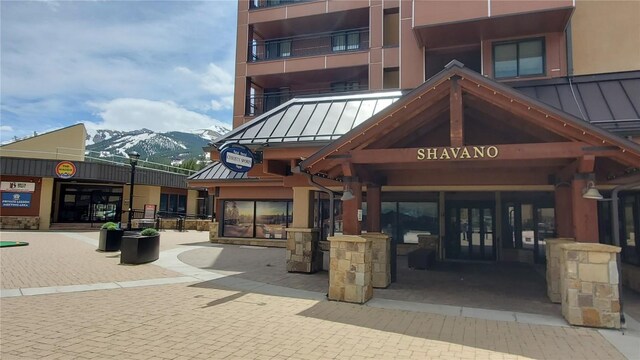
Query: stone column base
{"x": 589, "y": 284}
{"x": 350, "y": 269}
{"x": 554, "y": 253}
{"x": 303, "y": 254}
{"x": 213, "y": 231}
{"x": 380, "y": 259}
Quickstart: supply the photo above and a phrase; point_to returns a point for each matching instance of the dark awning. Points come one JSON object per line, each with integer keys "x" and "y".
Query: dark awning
{"x": 217, "y": 171}
{"x": 610, "y": 101}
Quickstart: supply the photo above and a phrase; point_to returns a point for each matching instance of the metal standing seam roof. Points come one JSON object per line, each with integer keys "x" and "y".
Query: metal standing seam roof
{"x": 610, "y": 101}
{"x": 312, "y": 119}
{"x": 217, "y": 171}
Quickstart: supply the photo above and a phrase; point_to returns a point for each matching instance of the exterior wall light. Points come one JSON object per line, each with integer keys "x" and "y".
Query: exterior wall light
{"x": 590, "y": 192}
{"x": 347, "y": 195}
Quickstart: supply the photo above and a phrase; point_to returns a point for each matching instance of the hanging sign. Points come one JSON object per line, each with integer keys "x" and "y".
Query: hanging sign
{"x": 65, "y": 169}
{"x": 236, "y": 157}
{"x": 16, "y": 200}
{"x": 17, "y": 186}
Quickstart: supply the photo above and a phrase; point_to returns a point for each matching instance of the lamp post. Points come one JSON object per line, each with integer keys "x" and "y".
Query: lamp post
{"x": 133, "y": 160}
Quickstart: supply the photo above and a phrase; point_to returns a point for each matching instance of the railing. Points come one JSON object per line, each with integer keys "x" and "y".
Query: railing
{"x": 309, "y": 45}
{"x": 260, "y": 104}
{"x": 94, "y": 156}
{"x": 105, "y": 157}
{"x": 259, "y": 4}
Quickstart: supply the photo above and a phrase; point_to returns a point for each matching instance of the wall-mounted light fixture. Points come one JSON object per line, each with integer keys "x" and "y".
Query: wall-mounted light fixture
{"x": 590, "y": 192}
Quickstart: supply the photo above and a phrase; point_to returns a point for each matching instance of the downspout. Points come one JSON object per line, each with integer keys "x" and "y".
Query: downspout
{"x": 331, "y": 201}
{"x": 616, "y": 238}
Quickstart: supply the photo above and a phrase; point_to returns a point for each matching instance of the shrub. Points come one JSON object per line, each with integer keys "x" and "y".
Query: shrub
{"x": 110, "y": 226}
{"x": 149, "y": 232}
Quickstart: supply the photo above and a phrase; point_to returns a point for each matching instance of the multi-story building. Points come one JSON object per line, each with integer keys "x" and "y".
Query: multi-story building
{"x": 490, "y": 153}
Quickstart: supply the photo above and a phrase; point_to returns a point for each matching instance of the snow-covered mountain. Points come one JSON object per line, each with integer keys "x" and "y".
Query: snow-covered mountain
{"x": 173, "y": 146}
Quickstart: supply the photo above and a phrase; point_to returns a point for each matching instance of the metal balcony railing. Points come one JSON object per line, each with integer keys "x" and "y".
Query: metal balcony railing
{"x": 260, "y": 104}
{"x": 260, "y": 4}
{"x": 309, "y": 45}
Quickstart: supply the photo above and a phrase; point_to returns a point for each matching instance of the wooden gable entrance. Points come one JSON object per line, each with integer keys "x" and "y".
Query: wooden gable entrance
{"x": 461, "y": 130}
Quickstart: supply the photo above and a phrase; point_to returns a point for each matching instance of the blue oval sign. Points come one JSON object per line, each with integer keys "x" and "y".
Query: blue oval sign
{"x": 237, "y": 158}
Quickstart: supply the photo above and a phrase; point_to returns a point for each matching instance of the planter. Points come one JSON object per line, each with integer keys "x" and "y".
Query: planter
{"x": 110, "y": 240}
{"x": 138, "y": 249}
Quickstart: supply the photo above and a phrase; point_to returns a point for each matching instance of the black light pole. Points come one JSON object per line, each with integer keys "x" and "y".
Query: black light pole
{"x": 133, "y": 160}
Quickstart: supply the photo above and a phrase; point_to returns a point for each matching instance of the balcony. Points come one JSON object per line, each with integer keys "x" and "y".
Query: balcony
{"x": 439, "y": 24}
{"x": 336, "y": 42}
{"x": 260, "y": 103}
{"x": 261, "y": 4}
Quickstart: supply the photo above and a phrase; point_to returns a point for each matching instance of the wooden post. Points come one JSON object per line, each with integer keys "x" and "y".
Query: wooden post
{"x": 374, "y": 208}
{"x": 585, "y": 214}
{"x": 456, "y": 113}
{"x": 350, "y": 223}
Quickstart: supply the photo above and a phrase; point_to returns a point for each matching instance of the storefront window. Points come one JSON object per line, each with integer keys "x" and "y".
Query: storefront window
{"x": 271, "y": 219}
{"x": 259, "y": 219}
{"x": 238, "y": 218}
{"x": 172, "y": 205}
{"x": 629, "y": 229}
{"x": 406, "y": 220}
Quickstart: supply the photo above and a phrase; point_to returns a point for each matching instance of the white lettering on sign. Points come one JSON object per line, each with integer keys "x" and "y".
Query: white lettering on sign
{"x": 467, "y": 152}
{"x": 238, "y": 159}
{"x": 17, "y": 186}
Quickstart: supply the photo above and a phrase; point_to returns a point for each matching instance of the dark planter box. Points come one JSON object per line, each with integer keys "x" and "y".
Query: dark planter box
{"x": 138, "y": 249}
{"x": 110, "y": 240}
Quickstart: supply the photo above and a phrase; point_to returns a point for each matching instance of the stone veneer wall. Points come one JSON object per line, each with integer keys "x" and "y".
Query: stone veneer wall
{"x": 554, "y": 255}
{"x": 303, "y": 253}
{"x": 380, "y": 259}
{"x": 213, "y": 231}
{"x": 350, "y": 269}
{"x": 19, "y": 222}
{"x": 589, "y": 284}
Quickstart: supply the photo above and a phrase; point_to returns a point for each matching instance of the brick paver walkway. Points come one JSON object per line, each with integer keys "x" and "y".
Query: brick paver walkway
{"x": 55, "y": 259}
{"x": 210, "y": 321}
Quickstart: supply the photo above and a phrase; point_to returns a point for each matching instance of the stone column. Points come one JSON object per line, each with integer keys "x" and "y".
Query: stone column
{"x": 554, "y": 254}
{"x": 213, "y": 231}
{"x": 303, "y": 254}
{"x": 380, "y": 259}
{"x": 350, "y": 269}
{"x": 589, "y": 284}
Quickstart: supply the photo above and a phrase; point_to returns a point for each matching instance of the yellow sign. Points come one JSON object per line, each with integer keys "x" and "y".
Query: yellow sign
{"x": 458, "y": 153}
{"x": 65, "y": 169}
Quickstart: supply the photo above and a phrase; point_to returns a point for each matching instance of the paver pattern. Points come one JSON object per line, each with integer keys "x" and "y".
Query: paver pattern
{"x": 55, "y": 259}
{"x": 206, "y": 320}
{"x": 181, "y": 322}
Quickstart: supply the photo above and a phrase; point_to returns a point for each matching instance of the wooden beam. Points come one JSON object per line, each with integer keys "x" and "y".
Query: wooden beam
{"x": 275, "y": 167}
{"x": 374, "y": 208}
{"x": 288, "y": 153}
{"x": 586, "y": 164}
{"x": 478, "y": 153}
{"x": 456, "y": 113}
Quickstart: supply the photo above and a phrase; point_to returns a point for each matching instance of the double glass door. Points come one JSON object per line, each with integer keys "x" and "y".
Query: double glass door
{"x": 470, "y": 233}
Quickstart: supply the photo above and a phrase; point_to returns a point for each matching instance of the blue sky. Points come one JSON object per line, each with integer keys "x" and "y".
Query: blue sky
{"x": 124, "y": 65}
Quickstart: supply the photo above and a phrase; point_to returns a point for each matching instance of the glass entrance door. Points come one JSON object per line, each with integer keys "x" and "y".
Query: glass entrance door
{"x": 470, "y": 232}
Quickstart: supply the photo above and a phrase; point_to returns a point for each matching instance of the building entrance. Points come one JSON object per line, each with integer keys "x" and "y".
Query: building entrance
{"x": 79, "y": 203}
{"x": 470, "y": 232}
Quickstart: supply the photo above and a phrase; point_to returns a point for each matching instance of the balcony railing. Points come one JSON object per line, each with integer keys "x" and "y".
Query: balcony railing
{"x": 260, "y": 4}
{"x": 260, "y": 104}
{"x": 309, "y": 45}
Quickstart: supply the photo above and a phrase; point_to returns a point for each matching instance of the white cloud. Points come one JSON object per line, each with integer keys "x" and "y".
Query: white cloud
{"x": 225, "y": 102}
{"x": 132, "y": 114}
{"x": 59, "y": 56}
{"x": 6, "y": 128}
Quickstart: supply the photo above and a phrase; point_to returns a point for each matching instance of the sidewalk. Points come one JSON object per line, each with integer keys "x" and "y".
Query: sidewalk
{"x": 219, "y": 315}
